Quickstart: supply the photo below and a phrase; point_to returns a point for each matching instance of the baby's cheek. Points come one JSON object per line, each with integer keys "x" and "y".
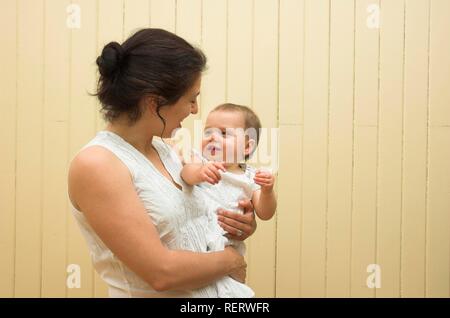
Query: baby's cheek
{"x": 204, "y": 144}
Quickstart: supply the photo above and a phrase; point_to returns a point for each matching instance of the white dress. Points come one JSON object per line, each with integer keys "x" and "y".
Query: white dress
{"x": 180, "y": 216}
{"x": 226, "y": 195}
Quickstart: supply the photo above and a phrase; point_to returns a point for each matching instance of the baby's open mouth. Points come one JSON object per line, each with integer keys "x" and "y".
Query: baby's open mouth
{"x": 212, "y": 149}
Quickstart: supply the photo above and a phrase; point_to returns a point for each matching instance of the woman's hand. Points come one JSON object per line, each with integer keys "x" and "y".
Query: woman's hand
{"x": 238, "y": 226}
{"x": 239, "y": 271}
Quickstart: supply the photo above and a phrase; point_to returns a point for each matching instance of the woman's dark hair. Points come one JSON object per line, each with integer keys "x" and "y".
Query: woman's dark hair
{"x": 152, "y": 62}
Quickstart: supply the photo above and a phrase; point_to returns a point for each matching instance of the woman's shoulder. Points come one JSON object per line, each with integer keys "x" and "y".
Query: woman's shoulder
{"x": 93, "y": 156}
{"x": 95, "y": 160}
{"x": 94, "y": 167}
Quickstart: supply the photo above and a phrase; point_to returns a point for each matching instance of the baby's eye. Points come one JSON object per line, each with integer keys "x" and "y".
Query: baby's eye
{"x": 212, "y": 131}
{"x": 228, "y": 133}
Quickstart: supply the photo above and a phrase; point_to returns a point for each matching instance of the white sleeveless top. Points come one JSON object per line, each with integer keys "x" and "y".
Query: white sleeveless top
{"x": 180, "y": 216}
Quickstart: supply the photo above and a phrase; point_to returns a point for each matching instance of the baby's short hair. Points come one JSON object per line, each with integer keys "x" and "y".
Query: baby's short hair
{"x": 251, "y": 120}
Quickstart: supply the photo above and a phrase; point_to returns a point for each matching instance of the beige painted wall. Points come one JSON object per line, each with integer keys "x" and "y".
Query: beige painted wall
{"x": 363, "y": 115}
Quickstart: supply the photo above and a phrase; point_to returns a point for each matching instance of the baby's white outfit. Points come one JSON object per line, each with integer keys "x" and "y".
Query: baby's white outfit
{"x": 226, "y": 195}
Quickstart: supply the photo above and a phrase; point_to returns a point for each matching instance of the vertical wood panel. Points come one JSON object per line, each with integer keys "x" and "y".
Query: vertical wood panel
{"x": 437, "y": 257}
{"x": 415, "y": 149}
{"x": 162, "y": 14}
{"x": 82, "y": 127}
{"x": 315, "y": 148}
{"x": 262, "y": 250}
{"x": 8, "y": 100}
{"x": 214, "y": 44}
{"x": 440, "y": 63}
{"x": 340, "y": 149}
{"x": 111, "y": 27}
{"x": 291, "y": 63}
{"x": 189, "y": 27}
{"x": 136, "y": 16}
{"x": 438, "y": 216}
{"x": 189, "y": 21}
{"x": 239, "y": 63}
{"x": 56, "y": 116}
{"x": 290, "y": 83}
{"x": 366, "y": 65}
{"x": 390, "y": 153}
{"x": 289, "y": 213}
{"x": 363, "y": 210}
{"x": 240, "y": 52}
{"x": 29, "y": 149}
{"x": 363, "y": 220}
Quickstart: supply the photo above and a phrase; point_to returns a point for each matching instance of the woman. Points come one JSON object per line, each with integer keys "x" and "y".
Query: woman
{"x": 144, "y": 226}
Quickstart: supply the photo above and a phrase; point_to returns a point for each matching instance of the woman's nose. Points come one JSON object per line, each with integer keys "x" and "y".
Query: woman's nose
{"x": 194, "y": 109}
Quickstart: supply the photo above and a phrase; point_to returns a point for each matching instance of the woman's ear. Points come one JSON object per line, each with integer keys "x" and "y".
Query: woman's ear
{"x": 149, "y": 103}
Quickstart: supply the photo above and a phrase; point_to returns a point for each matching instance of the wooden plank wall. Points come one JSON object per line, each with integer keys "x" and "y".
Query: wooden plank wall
{"x": 358, "y": 90}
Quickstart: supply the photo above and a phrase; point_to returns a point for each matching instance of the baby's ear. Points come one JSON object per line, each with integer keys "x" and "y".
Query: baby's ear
{"x": 250, "y": 146}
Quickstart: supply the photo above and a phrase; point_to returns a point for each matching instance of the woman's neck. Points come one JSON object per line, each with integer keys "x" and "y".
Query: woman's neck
{"x": 136, "y": 134}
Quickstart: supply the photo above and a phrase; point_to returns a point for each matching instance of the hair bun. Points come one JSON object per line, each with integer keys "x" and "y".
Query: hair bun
{"x": 110, "y": 59}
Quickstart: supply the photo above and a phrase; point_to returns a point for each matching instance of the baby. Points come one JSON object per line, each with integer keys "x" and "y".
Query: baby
{"x": 231, "y": 136}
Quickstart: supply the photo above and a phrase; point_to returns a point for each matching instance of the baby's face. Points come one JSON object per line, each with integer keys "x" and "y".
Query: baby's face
{"x": 224, "y": 137}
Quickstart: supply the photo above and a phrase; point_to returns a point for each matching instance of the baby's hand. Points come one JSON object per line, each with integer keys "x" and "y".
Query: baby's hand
{"x": 210, "y": 172}
{"x": 265, "y": 179}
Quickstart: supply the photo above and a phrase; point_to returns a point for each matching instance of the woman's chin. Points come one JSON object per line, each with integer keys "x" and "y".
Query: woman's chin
{"x": 171, "y": 134}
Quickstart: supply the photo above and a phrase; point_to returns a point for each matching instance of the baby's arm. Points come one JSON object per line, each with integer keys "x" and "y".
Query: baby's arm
{"x": 198, "y": 172}
{"x": 190, "y": 172}
{"x": 264, "y": 200}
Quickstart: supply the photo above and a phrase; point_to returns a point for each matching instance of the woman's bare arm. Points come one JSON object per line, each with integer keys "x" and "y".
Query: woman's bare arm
{"x": 101, "y": 186}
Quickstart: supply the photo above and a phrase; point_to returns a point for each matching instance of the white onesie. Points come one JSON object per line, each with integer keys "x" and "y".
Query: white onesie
{"x": 226, "y": 195}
